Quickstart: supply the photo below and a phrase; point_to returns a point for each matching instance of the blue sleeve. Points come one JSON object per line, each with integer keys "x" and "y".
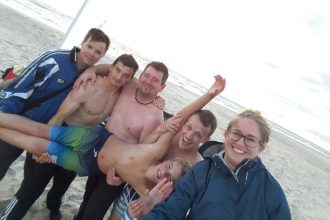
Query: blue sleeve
{"x": 13, "y": 98}
{"x": 276, "y": 201}
{"x": 179, "y": 202}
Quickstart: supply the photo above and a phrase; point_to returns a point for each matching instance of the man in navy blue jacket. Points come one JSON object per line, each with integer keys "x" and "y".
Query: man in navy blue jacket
{"x": 37, "y": 94}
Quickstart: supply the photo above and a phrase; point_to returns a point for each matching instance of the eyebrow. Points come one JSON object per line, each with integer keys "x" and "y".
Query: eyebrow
{"x": 247, "y": 135}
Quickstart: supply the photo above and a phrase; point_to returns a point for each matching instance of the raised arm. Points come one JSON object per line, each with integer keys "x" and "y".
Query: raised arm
{"x": 217, "y": 87}
{"x": 169, "y": 125}
{"x": 161, "y": 146}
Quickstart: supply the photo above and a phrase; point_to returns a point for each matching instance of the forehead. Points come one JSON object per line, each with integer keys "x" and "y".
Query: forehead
{"x": 123, "y": 68}
{"x": 154, "y": 73}
{"x": 197, "y": 125}
{"x": 95, "y": 44}
{"x": 247, "y": 126}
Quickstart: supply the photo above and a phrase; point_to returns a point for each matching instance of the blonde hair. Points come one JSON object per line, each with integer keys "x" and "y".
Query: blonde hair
{"x": 185, "y": 165}
{"x": 254, "y": 115}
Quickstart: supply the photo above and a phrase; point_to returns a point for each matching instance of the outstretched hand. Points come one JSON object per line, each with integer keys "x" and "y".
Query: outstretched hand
{"x": 157, "y": 194}
{"x": 218, "y": 86}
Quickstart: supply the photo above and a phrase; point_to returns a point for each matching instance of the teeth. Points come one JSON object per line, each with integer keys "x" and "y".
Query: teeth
{"x": 185, "y": 141}
{"x": 238, "y": 150}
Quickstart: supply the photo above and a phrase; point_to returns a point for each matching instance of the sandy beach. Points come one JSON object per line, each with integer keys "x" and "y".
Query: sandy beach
{"x": 303, "y": 173}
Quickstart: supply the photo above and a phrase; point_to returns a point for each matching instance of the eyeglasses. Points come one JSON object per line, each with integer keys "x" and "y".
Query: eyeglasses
{"x": 250, "y": 141}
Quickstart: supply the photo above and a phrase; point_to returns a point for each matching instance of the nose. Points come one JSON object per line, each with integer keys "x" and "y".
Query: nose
{"x": 241, "y": 141}
{"x": 93, "y": 53}
{"x": 189, "y": 134}
{"x": 148, "y": 80}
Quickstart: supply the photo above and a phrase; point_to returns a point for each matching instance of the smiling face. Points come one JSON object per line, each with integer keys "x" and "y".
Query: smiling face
{"x": 193, "y": 133}
{"x": 120, "y": 74}
{"x": 167, "y": 169}
{"x": 150, "y": 82}
{"x": 90, "y": 53}
{"x": 237, "y": 151}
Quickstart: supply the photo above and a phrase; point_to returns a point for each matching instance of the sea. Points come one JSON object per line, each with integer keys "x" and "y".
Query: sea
{"x": 60, "y": 20}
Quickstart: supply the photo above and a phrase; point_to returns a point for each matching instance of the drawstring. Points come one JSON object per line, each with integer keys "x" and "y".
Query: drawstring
{"x": 246, "y": 177}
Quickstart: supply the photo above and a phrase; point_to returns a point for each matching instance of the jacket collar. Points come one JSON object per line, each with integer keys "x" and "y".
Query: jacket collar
{"x": 73, "y": 54}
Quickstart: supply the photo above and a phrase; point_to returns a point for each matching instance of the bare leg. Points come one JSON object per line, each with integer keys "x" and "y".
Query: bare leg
{"x": 24, "y": 125}
{"x": 34, "y": 145}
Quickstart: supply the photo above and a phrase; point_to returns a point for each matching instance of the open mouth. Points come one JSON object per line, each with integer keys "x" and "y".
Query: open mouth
{"x": 238, "y": 150}
{"x": 159, "y": 176}
{"x": 185, "y": 141}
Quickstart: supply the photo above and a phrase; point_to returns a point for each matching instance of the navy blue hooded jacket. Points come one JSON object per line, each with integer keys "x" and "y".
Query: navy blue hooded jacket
{"x": 212, "y": 191}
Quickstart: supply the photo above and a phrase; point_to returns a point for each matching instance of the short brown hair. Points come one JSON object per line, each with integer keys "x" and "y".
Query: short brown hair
{"x": 97, "y": 35}
{"x": 128, "y": 60}
{"x": 208, "y": 119}
{"x": 160, "y": 67}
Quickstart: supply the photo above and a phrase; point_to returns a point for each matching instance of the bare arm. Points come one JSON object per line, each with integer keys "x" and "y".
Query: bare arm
{"x": 217, "y": 87}
{"x": 90, "y": 74}
{"x": 169, "y": 125}
{"x": 162, "y": 144}
{"x": 70, "y": 105}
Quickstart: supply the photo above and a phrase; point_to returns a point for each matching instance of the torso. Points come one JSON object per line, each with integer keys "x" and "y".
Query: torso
{"x": 130, "y": 118}
{"x": 130, "y": 160}
{"x": 96, "y": 109}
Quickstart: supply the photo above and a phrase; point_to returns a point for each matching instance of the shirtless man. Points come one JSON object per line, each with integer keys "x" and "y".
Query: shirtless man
{"x": 197, "y": 129}
{"x": 90, "y": 105}
{"x": 133, "y": 118}
{"x": 138, "y": 164}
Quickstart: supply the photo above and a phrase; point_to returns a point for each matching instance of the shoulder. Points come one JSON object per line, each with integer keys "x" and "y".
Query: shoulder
{"x": 153, "y": 115}
{"x": 275, "y": 198}
{"x": 132, "y": 84}
{"x": 274, "y": 192}
{"x": 55, "y": 53}
{"x": 202, "y": 166}
{"x": 273, "y": 187}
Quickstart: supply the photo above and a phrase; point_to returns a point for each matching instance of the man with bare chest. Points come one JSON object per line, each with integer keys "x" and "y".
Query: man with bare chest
{"x": 196, "y": 130}
{"x": 134, "y": 117}
{"x": 90, "y": 105}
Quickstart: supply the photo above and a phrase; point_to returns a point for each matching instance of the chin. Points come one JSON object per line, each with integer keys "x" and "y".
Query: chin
{"x": 185, "y": 147}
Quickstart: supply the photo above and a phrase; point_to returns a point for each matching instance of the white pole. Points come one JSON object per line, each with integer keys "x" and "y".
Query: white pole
{"x": 91, "y": 14}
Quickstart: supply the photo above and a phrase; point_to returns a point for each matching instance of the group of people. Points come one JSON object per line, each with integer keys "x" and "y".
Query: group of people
{"x": 75, "y": 117}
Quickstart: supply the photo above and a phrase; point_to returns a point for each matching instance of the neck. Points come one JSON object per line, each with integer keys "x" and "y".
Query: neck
{"x": 141, "y": 100}
{"x": 108, "y": 86}
{"x": 231, "y": 166}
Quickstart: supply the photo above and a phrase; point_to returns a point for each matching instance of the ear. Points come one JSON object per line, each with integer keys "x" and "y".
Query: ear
{"x": 262, "y": 147}
{"x": 110, "y": 67}
{"x": 162, "y": 87}
{"x": 206, "y": 139}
